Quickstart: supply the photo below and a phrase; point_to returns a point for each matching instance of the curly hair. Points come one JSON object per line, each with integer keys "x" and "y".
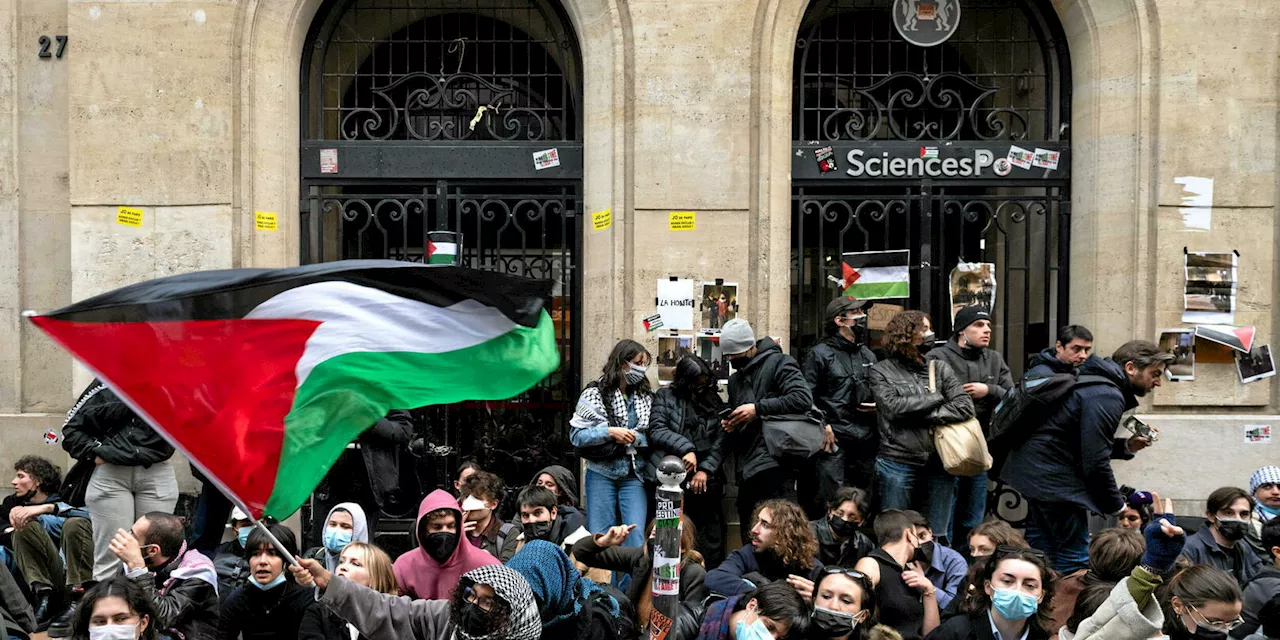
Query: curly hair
{"x": 979, "y": 601}
{"x": 793, "y": 540}
{"x": 900, "y": 335}
{"x": 46, "y": 474}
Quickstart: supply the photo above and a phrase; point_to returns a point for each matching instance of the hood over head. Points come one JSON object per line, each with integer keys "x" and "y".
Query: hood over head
{"x": 564, "y": 479}
{"x": 359, "y": 530}
{"x": 419, "y": 575}
{"x": 525, "y": 623}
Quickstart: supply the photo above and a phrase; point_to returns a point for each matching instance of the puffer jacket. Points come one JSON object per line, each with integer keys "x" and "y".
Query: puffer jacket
{"x": 1119, "y": 619}
{"x": 101, "y": 425}
{"x": 908, "y": 411}
{"x": 977, "y": 365}
{"x": 677, "y": 427}
{"x": 772, "y": 380}
{"x": 1068, "y": 459}
{"x": 837, "y": 370}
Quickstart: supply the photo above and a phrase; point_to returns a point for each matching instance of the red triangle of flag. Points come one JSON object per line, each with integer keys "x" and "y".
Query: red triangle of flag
{"x": 431, "y": 248}
{"x": 1245, "y": 334}
{"x": 848, "y": 274}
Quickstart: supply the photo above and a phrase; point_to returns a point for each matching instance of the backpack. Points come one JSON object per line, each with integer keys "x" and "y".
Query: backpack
{"x": 596, "y": 621}
{"x": 1030, "y": 404}
{"x": 504, "y": 532}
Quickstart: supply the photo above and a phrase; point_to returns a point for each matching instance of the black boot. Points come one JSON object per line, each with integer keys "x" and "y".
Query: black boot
{"x": 60, "y": 627}
{"x": 44, "y": 608}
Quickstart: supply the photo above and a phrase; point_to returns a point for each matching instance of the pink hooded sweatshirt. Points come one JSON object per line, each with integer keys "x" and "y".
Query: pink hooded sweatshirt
{"x": 419, "y": 575}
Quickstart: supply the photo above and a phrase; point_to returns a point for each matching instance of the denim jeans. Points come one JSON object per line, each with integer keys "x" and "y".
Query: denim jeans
{"x": 1061, "y": 531}
{"x": 613, "y": 502}
{"x": 928, "y": 489}
{"x": 971, "y": 508}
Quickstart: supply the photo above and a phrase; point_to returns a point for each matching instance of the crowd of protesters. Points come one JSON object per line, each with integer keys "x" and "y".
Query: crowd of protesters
{"x": 870, "y": 538}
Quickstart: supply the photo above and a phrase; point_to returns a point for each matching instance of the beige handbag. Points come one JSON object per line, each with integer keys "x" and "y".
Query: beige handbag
{"x": 961, "y": 445}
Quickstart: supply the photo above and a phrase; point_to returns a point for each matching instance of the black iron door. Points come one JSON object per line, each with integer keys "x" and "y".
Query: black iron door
{"x": 426, "y": 115}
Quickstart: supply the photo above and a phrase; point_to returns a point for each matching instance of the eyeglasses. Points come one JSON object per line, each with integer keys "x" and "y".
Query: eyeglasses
{"x": 484, "y": 602}
{"x": 1216, "y": 625}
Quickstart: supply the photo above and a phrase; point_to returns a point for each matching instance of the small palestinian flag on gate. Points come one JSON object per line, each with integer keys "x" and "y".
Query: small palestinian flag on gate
{"x": 876, "y": 275}
{"x": 263, "y": 376}
{"x": 1238, "y": 338}
{"x": 443, "y": 247}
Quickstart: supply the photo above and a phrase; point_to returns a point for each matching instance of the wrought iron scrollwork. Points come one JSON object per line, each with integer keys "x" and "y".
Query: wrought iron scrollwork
{"x": 913, "y": 106}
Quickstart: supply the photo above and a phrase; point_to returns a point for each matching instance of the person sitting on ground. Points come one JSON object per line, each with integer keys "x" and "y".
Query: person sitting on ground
{"x": 991, "y": 535}
{"x": 34, "y": 544}
{"x": 839, "y": 540}
{"x": 844, "y": 608}
{"x": 431, "y": 571}
{"x": 464, "y": 471}
{"x": 772, "y": 611}
{"x": 229, "y": 559}
{"x": 1228, "y": 515}
{"x": 1129, "y": 610}
{"x": 1202, "y": 601}
{"x": 115, "y": 608}
{"x": 604, "y": 552}
{"x": 34, "y": 500}
{"x": 346, "y": 524}
{"x": 1138, "y": 510}
{"x": 1017, "y": 586}
{"x": 570, "y": 605}
{"x": 541, "y": 518}
{"x": 181, "y": 583}
{"x": 564, "y": 485}
{"x": 482, "y": 525}
{"x": 1265, "y": 487}
{"x": 270, "y": 606}
{"x": 491, "y": 602}
{"x": 17, "y": 618}
{"x": 1265, "y": 587}
{"x": 908, "y": 601}
{"x": 1113, "y": 554}
{"x": 363, "y": 564}
{"x": 782, "y": 545}
{"x": 943, "y": 566}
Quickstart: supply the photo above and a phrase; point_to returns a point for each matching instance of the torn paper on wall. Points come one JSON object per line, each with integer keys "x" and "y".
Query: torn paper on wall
{"x": 1197, "y": 203}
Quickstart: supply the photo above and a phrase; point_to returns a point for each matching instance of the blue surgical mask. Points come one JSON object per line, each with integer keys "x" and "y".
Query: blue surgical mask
{"x": 1271, "y": 513}
{"x": 1014, "y": 606}
{"x": 335, "y": 540}
{"x": 242, "y": 535}
{"x": 754, "y": 631}
{"x": 270, "y": 585}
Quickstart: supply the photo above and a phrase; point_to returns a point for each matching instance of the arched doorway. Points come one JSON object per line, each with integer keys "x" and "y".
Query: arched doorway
{"x": 922, "y": 148}
{"x": 424, "y": 116}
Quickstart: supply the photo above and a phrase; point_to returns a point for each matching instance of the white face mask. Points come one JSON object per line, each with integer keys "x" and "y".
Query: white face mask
{"x": 114, "y": 632}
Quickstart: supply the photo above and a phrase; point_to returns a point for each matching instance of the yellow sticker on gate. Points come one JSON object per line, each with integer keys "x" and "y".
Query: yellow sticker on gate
{"x": 682, "y": 221}
{"x": 129, "y": 217}
{"x": 265, "y": 221}
{"x": 602, "y": 220}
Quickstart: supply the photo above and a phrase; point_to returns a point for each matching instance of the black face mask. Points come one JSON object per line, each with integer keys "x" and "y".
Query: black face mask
{"x": 739, "y": 362}
{"x": 927, "y": 345}
{"x": 1201, "y": 633}
{"x": 832, "y": 624}
{"x": 538, "y": 530}
{"x": 440, "y": 545}
{"x": 841, "y": 527}
{"x": 1233, "y": 530}
{"x": 924, "y": 553}
{"x": 473, "y": 620}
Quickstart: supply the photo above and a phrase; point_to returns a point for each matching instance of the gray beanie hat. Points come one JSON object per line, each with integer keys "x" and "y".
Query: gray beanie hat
{"x": 736, "y": 337}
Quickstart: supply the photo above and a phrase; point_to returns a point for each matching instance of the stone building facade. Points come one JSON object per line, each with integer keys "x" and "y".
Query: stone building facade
{"x": 204, "y": 113}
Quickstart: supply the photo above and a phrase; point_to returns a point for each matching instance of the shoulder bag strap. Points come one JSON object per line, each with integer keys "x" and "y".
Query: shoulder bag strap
{"x": 933, "y": 387}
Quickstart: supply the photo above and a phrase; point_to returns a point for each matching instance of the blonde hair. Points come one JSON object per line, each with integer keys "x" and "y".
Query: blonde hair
{"x": 376, "y": 561}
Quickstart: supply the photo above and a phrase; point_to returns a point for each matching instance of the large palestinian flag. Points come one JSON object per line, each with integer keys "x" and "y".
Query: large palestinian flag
{"x": 262, "y": 377}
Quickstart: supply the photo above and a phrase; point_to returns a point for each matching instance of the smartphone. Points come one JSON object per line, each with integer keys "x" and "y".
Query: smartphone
{"x": 472, "y": 503}
{"x": 725, "y": 412}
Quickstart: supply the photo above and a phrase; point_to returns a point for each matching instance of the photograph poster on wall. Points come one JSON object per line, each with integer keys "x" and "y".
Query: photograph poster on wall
{"x": 1256, "y": 365}
{"x": 1209, "y": 295}
{"x": 973, "y": 283}
{"x": 670, "y": 350}
{"x": 719, "y": 304}
{"x": 709, "y": 350}
{"x": 1182, "y": 344}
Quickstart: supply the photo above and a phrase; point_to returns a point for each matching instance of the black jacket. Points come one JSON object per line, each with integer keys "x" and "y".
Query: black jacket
{"x": 232, "y": 568}
{"x": 840, "y": 553}
{"x": 772, "y": 380}
{"x": 1261, "y": 590}
{"x": 100, "y": 425}
{"x": 183, "y": 605}
{"x": 747, "y": 569}
{"x": 1069, "y": 458}
{"x": 977, "y": 626}
{"x": 384, "y": 448}
{"x": 1240, "y": 561}
{"x": 837, "y": 370}
{"x": 637, "y": 562}
{"x": 977, "y": 365}
{"x": 1045, "y": 364}
{"x": 908, "y": 412}
{"x": 677, "y": 427}
{"x": 276, "y": 614}
{"x": 319, "y": 623}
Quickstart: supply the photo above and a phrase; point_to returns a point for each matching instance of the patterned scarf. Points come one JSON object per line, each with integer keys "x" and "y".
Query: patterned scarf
{"x": 591, "y": 411}
{"x": 524, "y": 624}
{"x": 556, "y": 583}
{"x": 715, "y": 623}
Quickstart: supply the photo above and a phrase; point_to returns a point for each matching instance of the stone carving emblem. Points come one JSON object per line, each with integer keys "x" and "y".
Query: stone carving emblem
{"x": 926, "y": 23}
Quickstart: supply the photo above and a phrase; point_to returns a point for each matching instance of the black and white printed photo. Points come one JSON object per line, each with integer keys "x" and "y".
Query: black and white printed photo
{"x": 1256, "y": 365}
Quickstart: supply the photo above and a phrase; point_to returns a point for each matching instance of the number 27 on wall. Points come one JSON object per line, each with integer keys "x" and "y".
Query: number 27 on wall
{"x": 46, "y": 42}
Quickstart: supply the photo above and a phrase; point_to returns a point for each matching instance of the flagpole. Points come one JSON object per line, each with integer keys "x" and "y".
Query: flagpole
{"x": 279, "y": 547}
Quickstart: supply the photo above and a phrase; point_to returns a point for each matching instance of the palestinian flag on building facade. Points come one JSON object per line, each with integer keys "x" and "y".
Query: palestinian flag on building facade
{"x": 875, "y": 275}
{"x": 263, "y": 376}
{"x": 1238, "y": 338}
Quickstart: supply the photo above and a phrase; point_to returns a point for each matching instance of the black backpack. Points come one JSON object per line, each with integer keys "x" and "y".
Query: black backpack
{"x": 1027, "y": 406}
{"x": 596, "y": 621}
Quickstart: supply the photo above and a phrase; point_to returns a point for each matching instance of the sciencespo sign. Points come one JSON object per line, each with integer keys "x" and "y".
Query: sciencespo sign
{"x": 934, "y": 160}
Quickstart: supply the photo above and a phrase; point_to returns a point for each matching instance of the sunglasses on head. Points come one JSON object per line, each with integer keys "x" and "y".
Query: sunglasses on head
{"x": 1004, "y": 551}
{"x": 856, "y": 576}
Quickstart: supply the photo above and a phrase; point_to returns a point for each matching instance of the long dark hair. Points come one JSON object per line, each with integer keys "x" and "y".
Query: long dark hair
{"x": 978, "y": 600}
{"x": 115, "y": 587}
{"x": 622, "y": 355}
{"x": 685, "y": 384}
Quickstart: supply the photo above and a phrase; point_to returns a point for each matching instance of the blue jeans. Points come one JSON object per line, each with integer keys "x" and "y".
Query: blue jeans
{"x": 971, "y": 507}
{"x": 1061, "y": 531}
{"x": 613, "y": 502}
{"x": 928, "y": 489}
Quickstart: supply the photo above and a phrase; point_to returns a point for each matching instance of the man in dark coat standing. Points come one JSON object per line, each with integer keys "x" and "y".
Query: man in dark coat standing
{"x": 1072, "y": 349}
{"x": 1064, "y": 468}
{"x": 986, "y": 378}
{"x": 837, "y": 369}
{"x": 766, "y": 382}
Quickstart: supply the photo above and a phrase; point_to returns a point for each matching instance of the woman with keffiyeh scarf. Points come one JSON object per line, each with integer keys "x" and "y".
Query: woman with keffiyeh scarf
{"x": 571, "y": 606}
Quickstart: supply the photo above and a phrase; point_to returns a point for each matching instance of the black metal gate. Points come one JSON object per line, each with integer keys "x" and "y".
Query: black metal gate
{"x": 448, "y": 115}
{"x": 898, "y": 146}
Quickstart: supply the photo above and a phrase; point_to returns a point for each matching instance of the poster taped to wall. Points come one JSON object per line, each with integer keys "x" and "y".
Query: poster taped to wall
{"x": 1255, "y": 365}
{"x": 973, "y": 284}
{"x": 1257, "y": 434}
{"x": 1209, "y": 296}
{"x": 719, "y": 304}
{"x": 709, "y": 350}
{"x": 675, "y": 303}
{"x": 670, "y": 351}
{"x": 1182, "y": 344}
